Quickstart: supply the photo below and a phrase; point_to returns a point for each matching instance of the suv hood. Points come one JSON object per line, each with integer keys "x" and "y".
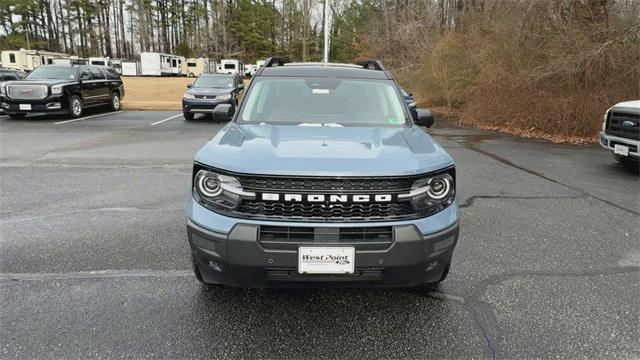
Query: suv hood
{"x": 323, "y": 150}
{"x": 38, "y": 82}
{"x": 632, "y": 106}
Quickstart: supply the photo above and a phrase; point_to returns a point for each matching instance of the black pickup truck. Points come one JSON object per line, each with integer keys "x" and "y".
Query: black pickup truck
{"x": 62, "y": 89}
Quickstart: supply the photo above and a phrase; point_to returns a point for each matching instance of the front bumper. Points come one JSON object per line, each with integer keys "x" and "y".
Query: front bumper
{"x": 608, "y": 142}
{"x": 202, "y": 106}
{"x": 51, "y": 105}
{"x": 237, "y": 258}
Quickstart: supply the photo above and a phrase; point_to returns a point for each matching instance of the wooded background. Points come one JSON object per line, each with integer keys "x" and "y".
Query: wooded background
{"x": 542, "y": 67}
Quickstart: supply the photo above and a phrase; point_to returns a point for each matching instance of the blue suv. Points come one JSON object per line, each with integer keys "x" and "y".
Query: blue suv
{"x": 322, "y": 178}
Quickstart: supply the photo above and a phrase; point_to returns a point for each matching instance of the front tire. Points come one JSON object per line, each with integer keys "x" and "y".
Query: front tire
{"x": 17, "y": 116}
{"x": 188, "y": 115}
{"x": 115, "y": 102}
{"x": 75, "y": 106}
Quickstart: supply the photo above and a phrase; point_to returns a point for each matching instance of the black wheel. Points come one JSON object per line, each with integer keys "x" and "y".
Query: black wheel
{"x": 188, "y": 116}
{"x": 17, "y": 116}
{"x": 75, "y": 106}
{"x": 115, "y": 101}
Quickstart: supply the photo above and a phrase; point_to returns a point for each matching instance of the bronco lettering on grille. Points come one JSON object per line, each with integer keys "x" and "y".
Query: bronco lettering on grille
{"x": 327, "y": 198}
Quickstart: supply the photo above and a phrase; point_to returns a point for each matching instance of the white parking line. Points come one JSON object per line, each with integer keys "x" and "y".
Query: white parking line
{"x": 86, "y": 117}
{"x": 167, "y": 119}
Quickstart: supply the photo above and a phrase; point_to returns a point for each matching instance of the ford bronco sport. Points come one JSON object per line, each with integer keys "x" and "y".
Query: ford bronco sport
{"x": 322, "y": 178}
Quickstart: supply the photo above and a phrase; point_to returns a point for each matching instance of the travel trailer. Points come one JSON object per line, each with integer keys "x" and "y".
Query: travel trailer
{"x": 27, "y": 60}
{"x": 231, "y": 66}
{"x": 158, "y": 64}
{"x": 177, "y": 64}
{"x": 197, "y": 66}
{"x": 72, "y": 60}
{"x": 130, "y": 68}
{"x": 100, "y": 61}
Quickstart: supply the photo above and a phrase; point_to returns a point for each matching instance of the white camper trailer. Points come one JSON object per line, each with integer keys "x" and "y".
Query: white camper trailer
{"x": 177, "y": 63}
{"x": 130, "y": 68}
{"x": 27, "y": 60}
{"x": 231, "y": 66}
{"x": 72, "y": 60}
{"x": 100, "y": 61}
{"x": 157, "y": 64}
{"x": 197, "y": 66}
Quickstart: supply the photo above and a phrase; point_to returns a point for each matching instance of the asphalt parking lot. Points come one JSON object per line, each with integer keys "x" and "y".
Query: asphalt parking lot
{"x": 94, "y": 261}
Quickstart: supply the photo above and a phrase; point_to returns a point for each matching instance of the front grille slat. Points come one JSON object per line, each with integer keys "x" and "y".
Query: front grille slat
{"x": 27, "y": 92}
{"x": 623, "y": 124}
{"x": 290, "y": 237}
{"x": 325, "y": 211}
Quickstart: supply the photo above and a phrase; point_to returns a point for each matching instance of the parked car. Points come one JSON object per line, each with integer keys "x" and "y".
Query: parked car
{"x": 209, "y": 91}
{"x": 621, "y": 131}
{"x": 66, "y": 89}
{"x": 8, "y": 75}
{"x": 322, "y": 178}
{"x": 11, "y": 74}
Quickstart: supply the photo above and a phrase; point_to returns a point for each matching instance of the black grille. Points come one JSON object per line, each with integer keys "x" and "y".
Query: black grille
{"x": 290, "y": 237}
{"x": 623, "y": 124}
{"x": 334, "y": 212}
{"x": 343, "y": 185}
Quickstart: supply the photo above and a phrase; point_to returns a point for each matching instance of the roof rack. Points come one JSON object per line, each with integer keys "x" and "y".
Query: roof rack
{"x": 372, "y": 64}
{"x": 275, "y": 61}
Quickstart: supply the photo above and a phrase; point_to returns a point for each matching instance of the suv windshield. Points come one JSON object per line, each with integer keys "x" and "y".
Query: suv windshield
{"x": 330, "y": 101}
{"x": 224, "y": 82}
{"x": 52, "y": 73}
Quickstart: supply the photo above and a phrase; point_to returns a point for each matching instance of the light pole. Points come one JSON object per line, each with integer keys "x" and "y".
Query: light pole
{"x": 326, "y": 31}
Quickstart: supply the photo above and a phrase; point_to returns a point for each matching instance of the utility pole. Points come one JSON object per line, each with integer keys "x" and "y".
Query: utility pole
{"x": 326, "y": 31}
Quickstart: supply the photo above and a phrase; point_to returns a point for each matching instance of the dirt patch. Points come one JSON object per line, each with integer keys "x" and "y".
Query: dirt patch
{"x": 154, "y": 93}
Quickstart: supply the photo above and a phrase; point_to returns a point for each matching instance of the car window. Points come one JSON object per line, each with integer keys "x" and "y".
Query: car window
{"x": 96, "y": 74}
{"x": 222, "y": 82}
{"x": 308, "y": 101}
{"x": 53, "y": 72}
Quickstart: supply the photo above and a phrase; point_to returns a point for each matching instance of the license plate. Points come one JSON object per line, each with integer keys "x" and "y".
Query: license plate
{"x": 25, "y": 106}
{"x": 326, "y": 260}
{"x": 621, "y": 150}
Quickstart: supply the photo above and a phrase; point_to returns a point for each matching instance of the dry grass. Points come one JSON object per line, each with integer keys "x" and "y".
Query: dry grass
{"x": 154, "y": 93}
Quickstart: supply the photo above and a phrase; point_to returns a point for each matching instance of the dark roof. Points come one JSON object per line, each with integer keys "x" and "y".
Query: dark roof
{"x": 321, "y": 70}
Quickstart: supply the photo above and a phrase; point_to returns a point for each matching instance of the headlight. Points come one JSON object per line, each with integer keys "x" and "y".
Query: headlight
{"x": 188, "y": 96}
{"x": 431, "y": 194}
{"x": 56, "y": 90}
{"x": 223, "y": 97}
{"x": 217, "y": 191}
{"x": 604, "y": 120}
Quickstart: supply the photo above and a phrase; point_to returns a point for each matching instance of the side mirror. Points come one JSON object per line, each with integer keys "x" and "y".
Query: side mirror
{"x": 424, "y": 117}
{"x": 85, "y": 77}
{"x": 189, "y": 85}
{"x": 240, "y": 86}
{"x": 223, "y": 112}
